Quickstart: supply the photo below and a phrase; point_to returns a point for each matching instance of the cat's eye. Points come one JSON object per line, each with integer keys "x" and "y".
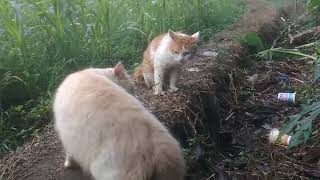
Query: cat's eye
{"x": 176, "y": 52}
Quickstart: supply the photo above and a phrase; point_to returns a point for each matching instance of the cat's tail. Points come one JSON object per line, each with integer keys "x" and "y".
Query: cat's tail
{"x": 138, "y": 74}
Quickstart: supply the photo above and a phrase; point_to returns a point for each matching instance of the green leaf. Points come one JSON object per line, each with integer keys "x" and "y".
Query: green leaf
{"x": 288, "y": 51}
{"x": 313, "y": 108}
{"x": 253, "y": 40}
{"x": 292, "y": 123}
{"x": 302, "y": 129}
{"x": 303, "y": 133}
{"x": 314, "y": 6}
{"x": 317, "y": 71}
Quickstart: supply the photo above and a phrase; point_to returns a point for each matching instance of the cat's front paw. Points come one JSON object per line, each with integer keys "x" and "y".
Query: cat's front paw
{"x": 69, "y": 163}
{"x": 158, "y": 92}
{"x": 174, "y": 89}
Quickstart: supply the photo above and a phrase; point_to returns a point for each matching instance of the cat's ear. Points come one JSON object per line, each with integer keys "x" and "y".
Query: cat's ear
{"x": 119, "y": 70}
{"x": 172, "y": 35}
{"x": 196, "y": 35}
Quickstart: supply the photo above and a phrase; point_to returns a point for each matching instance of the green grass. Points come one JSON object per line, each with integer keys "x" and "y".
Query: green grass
{"x": 284, "y": 3}
{"x": 43, "y": 40}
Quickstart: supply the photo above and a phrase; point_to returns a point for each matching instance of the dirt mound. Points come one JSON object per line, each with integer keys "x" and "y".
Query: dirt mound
{"x": 209, "y": 85}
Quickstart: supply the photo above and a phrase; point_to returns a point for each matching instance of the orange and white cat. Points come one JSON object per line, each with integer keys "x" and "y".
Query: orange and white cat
{"x": 108, "y": 132}
{"x": 164, "y": 57}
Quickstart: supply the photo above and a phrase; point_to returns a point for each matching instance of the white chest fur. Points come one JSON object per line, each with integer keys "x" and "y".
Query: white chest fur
{"x": 164, "y": 57}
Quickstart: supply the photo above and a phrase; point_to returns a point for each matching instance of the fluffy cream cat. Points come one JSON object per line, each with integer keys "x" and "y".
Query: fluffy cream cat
{"x": 108, "y": 132}
{"x": 164, "y": 56}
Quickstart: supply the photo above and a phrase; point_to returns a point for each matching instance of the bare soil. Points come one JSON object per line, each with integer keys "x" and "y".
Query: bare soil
{"x": 208, "y": 90}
